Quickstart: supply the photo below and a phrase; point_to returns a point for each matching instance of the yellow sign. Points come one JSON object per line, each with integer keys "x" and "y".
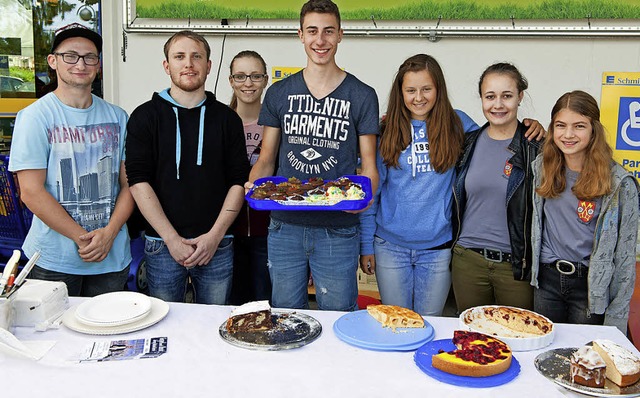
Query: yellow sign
{"x": 10, "y": 106}
{"x": 280, "y": 72}
{"x": 620, "y": 115}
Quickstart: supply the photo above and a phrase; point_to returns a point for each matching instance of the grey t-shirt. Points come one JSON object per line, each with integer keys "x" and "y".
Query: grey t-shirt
{"x": 319, "y": 137}
{"x": 568, "y": 225}
{"x": 484, "y": 224}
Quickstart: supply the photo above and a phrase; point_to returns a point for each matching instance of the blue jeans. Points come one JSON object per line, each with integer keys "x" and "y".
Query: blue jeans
{"x": 168, "y": 280}
{"x": 564, "y": 298}
{"x": 331, "y": 254}
{"x": 415, "y": 279}
{"x": 84, "y": 285}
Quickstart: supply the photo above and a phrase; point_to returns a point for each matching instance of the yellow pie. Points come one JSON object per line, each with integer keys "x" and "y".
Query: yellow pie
{"x": 394, "y": 317}
{"x": 477, "y": 355}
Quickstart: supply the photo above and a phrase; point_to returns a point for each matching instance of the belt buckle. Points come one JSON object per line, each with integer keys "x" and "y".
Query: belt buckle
{"x": 565, "y": 262}
{"x": 486, "y": 252}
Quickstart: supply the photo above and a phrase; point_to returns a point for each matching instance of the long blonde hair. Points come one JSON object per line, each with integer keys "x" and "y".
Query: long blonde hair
{"x": 595, "y": 178}
{"x": 444, "y": 127}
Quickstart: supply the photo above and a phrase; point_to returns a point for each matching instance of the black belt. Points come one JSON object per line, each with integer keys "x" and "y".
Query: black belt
{"x": 445, "y": 245}
{"x": 565, "y": 267}
{"x": 496, "y": 256}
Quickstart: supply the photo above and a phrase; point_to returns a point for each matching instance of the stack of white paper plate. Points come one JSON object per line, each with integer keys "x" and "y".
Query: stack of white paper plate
{"x": 115, "y": 313}
{"x": 114, "y": 309}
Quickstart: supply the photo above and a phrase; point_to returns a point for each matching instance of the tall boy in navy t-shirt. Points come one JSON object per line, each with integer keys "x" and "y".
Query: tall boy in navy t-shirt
{"x": 314, "y": 124}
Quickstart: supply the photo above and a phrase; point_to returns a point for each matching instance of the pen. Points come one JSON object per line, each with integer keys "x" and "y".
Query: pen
{"x": 10, "y": 281}
{"x": 12, "y": 278}
{"x": 27, "y": 268}
{"x": 9, "y": 268}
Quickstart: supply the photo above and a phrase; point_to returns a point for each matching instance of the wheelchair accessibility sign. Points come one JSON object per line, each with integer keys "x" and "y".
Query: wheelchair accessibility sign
{"x": 628, "y": 124}
{"x": 620, "y": 115}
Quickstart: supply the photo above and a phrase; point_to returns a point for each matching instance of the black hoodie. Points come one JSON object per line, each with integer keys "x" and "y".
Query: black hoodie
{"x": 190, "y": 164}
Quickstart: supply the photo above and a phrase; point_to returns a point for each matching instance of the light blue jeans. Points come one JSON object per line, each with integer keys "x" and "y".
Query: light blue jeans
{"x": 415, "y": 279}
{"x": 330, "y": 253}
{"x": 168, "y": 280}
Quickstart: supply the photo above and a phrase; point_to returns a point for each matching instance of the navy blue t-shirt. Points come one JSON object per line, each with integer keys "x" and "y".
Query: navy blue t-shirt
{"x": 319, "y": 137}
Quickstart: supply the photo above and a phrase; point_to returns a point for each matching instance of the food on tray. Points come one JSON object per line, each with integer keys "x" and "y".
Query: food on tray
{"x": 314, "y": 191}
{"x": 507, "y": 321}
{"x": 354, "y": 193}
{"x": 477, "y": 355}
{"x": 394, "y": 317}
{"x": 587, "y": 367}
{"x": 316, "y": 181}
{"x": 623, "y": 367}
{"x": 250, "y": 317}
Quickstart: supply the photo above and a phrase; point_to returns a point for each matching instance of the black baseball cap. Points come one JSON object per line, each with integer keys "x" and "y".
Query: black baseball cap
{"x": 76, "y": 30}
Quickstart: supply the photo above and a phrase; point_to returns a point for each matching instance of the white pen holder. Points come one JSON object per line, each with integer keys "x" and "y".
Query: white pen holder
{"x": 7, "y": 313}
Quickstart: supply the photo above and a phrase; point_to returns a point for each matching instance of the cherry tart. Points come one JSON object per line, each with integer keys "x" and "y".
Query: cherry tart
{"x": 477, "y": 355}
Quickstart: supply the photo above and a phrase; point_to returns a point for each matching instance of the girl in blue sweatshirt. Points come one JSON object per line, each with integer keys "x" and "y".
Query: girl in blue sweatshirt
{"x": 406, "y": 234}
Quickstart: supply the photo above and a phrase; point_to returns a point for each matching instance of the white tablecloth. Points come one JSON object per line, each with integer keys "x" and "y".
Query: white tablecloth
{"x": 199, "y": 363}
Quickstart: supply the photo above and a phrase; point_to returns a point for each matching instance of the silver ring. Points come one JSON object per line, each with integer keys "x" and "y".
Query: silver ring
{"x": 573, "y": 267}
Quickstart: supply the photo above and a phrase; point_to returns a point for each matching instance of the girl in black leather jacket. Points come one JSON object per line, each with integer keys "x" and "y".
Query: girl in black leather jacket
{"x": 493, "y": 191}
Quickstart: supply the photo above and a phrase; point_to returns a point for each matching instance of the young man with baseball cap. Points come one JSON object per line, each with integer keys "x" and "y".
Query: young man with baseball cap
{"x": 68, "y": 153}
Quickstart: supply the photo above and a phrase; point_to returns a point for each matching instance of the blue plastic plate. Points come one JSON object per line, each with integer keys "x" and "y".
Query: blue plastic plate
{"x": 266, "y": 204}
{"x": 361, "y": 330}
{"x": 422, "y": 357}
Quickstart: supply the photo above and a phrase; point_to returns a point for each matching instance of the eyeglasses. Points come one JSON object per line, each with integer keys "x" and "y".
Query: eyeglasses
{"x": 241, "y": 77}
{"x": 72, "y": 58}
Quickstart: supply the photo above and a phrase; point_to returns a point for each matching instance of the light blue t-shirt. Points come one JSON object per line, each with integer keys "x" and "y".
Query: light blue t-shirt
{"x": 82, "y": 150}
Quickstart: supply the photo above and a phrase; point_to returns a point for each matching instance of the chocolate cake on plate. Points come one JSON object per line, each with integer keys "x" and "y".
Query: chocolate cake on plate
{"x": 250, "y": 317}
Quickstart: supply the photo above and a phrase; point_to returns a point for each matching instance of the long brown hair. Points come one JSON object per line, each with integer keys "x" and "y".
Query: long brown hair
{"x": 595, "y": 178}
{"x": 443, "y": 124}
{"x": 244, "y": 54}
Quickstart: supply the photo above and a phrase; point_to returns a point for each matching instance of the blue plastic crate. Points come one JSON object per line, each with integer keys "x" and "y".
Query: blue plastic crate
{"x": 13, "y": 228}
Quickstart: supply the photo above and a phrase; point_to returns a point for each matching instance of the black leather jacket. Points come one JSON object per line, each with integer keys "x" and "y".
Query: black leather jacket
{"x": 518, "y": 200}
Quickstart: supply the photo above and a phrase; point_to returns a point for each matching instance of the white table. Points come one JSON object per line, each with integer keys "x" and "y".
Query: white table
{"x": 200, "y": 364}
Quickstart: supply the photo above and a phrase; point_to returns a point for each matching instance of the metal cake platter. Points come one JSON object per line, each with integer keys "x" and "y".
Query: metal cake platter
{"x": 291, "y": 330}
{"x": 554, "y": 365}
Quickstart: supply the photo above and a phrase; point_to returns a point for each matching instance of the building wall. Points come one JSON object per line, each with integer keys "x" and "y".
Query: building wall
{"x": 552, "y": 65}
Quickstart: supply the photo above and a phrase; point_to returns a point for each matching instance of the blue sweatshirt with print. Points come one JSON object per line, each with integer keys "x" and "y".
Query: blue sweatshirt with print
{"x": 413, "y": 203}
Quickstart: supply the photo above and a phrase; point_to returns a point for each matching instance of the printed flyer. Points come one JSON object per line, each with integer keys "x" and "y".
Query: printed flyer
{"x": 117, "y": 350}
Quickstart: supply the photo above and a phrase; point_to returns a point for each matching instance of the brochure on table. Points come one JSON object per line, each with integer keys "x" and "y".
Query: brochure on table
{"x": 117, "y": 350}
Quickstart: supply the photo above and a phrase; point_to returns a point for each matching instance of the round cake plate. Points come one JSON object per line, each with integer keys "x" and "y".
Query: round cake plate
{"x": 498, "y": 331}
{"x": 292, "y": 330}
{"x": 555, "y": 366}
{"x": 159, "y": 309}
{"x": 114, "y": 309}
{"x": 423, "y": 355}
{"x": 360, "y": 329}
